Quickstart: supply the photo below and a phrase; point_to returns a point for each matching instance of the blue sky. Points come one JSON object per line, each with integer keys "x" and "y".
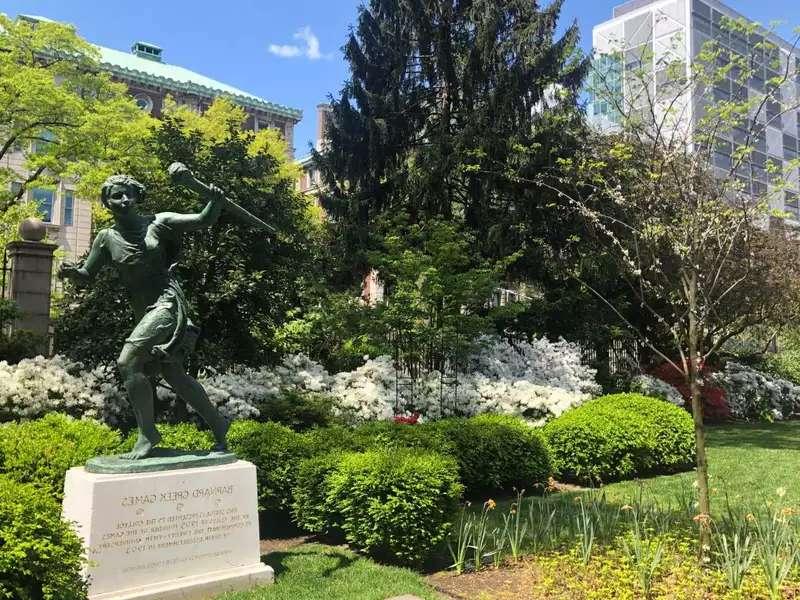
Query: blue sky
{"x": 285, "y": 51}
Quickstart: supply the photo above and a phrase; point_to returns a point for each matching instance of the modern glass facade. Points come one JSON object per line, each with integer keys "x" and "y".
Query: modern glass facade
{"x": 673, "y": 32}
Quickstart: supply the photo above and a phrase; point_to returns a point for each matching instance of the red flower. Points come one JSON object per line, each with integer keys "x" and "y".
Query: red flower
{"x": 715, "y": 407}
{"x": 412, "y": 419}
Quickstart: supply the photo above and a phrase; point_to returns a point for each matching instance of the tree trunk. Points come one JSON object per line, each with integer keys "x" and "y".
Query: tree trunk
{"x": 704, "y": 504}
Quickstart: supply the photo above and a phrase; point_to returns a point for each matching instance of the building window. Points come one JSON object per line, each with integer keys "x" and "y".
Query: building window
{"x": 791, "y": 204}
{"x": 44, "y": 200}
{"x": 144, "y": 102}
{"x": 69, "y": 207}
{"x": 45, "y": 138}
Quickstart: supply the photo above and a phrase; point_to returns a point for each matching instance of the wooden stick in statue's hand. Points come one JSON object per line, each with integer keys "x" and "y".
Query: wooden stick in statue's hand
{"x": 180, "y": 173}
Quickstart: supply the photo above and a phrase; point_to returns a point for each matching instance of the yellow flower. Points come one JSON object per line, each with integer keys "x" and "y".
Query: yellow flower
{"x": 781, "y": 492}
{"x": 490, "y": 504}
{"x": 626, "y": 507}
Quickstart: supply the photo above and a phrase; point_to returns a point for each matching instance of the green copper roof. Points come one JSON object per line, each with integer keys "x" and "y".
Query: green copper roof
{"x": 173, "y": 77}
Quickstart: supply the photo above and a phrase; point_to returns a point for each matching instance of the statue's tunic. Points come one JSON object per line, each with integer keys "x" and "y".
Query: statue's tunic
{"x": 145, "y": 260}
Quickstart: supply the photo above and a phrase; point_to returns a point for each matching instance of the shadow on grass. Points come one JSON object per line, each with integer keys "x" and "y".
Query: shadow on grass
{"x": 773, "y": 436}
{"x": 278, "y": 560}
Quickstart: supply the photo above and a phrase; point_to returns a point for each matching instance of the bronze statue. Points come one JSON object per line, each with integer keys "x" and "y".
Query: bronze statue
{"x": 144, "y": 251}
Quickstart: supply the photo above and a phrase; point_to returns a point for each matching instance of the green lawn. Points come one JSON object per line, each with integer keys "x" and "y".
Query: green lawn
{"x": 749, "y": 462}
{"x": 314, "y": 571}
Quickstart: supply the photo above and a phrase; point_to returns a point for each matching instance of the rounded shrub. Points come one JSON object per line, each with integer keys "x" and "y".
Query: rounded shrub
{"x": 299, "y": 411}
{"x": 379, "y": 434}
{"x": 310, "y": 509}
{"x": 40, "y": 556}
{"x": 180, "y": 436}
{"x": 396, "y": 504}
{"x": 619, "y": 437}
{"x": 497, "y": 453}
{"x": 41, "y": 451}
{"x": 276, "y": 451}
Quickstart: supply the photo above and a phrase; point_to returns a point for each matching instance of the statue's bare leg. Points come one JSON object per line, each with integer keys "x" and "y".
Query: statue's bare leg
{"x": 187, "y": 387}
{"x": 131, "y": 363}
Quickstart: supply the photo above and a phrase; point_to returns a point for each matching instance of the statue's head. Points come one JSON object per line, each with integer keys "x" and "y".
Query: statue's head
{"x": 121, "y": 193}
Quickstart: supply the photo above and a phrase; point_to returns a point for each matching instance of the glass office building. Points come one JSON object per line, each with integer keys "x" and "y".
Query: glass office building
{"x": 661, "y": 36}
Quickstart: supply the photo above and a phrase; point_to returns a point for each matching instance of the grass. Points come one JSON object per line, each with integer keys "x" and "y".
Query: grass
{"x": 314, "y": 571}
{"x": 749, "y": 462}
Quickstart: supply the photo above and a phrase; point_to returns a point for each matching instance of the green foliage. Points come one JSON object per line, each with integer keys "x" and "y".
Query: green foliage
{"x": 241, "y": 285}
{"x": 335, "y": 332}
{"x": 181, "y": 436}
{"x": 297, "y": 410}
{"x": 276, "y": 451}
{"x": 619, "y": 437}
{"x": 393, "y": 150}
{"x": 61, "y": 111}
{"x": 784, "y": 364}
{"x": 497, "y": 453}
{"x": 310, "y": 508}
{"x": 380, "y": 434}
{"x": 20, "y": 344}
{"x": 40, "y": 452}
{"x": 395, "y": 505}
{"x": 40, "y": 555}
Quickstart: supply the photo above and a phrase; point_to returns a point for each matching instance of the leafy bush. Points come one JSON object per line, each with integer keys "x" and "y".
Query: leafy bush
{"x": 784, "y": 364}
{"x": 394, "y": 504}
{"x": 754, "y": 395}
{"x": 297, "y": 410}
{"x": 20, "y": 344}
{"x": 276, "y": 451}
{"x": 182, "y": 436}
{"x": 40, "y": 555}
{"x": 41, "y": 451}
{"x": 619, "y": 437}
{"x": 497, "y": 452}
{"x": 310, "y": 508}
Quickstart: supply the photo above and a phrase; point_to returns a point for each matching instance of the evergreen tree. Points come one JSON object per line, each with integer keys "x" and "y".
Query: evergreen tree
{"x": 440, "y": 94}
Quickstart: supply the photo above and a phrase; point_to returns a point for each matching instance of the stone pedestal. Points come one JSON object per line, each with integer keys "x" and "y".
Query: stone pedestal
{"x": 30, "y": 283}
{"x": 182, "y": 534}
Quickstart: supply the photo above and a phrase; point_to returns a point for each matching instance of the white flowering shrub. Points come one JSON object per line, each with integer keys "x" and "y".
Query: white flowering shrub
{"x": 537, "y": 381}
{"x": 752, "y": 394}
{"x": 552, "y": 364}
{"x": 647, "y": 385}
{"x": 37, "y": 386}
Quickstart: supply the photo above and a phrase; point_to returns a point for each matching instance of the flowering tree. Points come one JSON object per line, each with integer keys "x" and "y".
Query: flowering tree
{"x": 677, "y": 189}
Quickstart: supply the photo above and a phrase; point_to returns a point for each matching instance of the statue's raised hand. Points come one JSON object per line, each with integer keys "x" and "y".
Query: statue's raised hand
{"x": 180, "y": 173}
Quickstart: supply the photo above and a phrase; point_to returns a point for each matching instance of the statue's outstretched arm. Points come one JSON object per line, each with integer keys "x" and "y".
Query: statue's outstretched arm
{"x": 205, "y": 218}
{"x": 98, "y": 256}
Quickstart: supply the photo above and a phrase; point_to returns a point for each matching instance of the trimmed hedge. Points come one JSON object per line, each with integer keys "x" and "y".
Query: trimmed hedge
{"x": 276, "y": 451}
{"x": 619, "y": 437}
{"x": 379, "y": 434}
{"x": 394, "y": 504}
{"x": 182, "y": 436}
{"x": 40, "y": 555}
{"x": 310, "y": 508}
{"x": 41, "y": 451}
{"x": 497, "y": 453}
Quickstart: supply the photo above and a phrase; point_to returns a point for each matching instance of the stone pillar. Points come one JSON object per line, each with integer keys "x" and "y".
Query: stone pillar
{"x": 31, "y": 279}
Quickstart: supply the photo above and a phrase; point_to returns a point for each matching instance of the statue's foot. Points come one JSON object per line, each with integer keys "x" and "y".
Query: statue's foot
{"x": 143, "y": 447}
{"x": 220, "y": 434}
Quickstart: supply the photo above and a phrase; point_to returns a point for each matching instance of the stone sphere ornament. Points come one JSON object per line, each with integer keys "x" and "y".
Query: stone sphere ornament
{"x": 32, "y": 229}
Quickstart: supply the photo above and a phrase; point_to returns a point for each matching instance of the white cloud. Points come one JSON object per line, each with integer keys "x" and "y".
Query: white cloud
{"x": 284, "y": 50}
{"x": 311, "y": 50}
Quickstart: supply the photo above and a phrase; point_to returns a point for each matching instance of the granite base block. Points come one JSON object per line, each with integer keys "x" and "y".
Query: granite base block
{"x": 185, "y": 534}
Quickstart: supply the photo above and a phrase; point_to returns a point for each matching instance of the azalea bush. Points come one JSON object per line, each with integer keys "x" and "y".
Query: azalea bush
{"x": 647, "y": 385}
{"x": 755, "y": 395}
{"x": 537, "y": 380}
